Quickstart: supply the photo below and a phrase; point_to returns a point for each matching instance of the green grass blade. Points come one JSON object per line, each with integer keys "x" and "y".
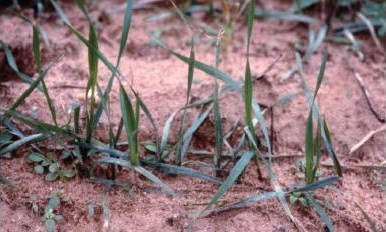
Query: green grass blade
{"x": 60, "y": 12}
{"x": 309, "y": 149}
{"x": 27, "y": 139}
{"x": 367, "y": 218}
{"x": 104, "y": 149}
{"x": 140, "y": 170}
{"x": 248, "y": 100}
{"x": 154, "y": 179}
{"x": 217, "y": 127}
{"x": 77, "y": 119}
{"x": 41, "y": 126}
{"x": 315, "y": 185}
{"x": 183, "y": 171}
{"x": 130, "y": 123}
{"x": 263, "y": 125}
{"x": 191, "y": 62}
{"x": 245, "y": 202}
{"x": 317, "y": 151}
{"x": 321, "y": 73}
{"x": 38, "y": 64}
{"x": 93, "y": 74}
{"x": 32, "y": 87}
{"x": 95, "y": 50}
{"x": 124, "y": 36}
{"x": 272, "y": 176}
{"x": 319, "y": 209}
{"x": 230, "y": 180}
{"x": 186, "y": 138}
{"x": 125, "y": 28}
{"x": 36, "y": 49}
{"x": 180, "y": 148}
{"x": 219, "y": 137}
{"x": 121, "y": 162}
{"x": 210, "y": 71}
{"x": 251, "y": 11}
{"x": 260, "y": 13}
{"x": 325, "y": 131}
{"x": 12, "y": 63}
{"x": 83, "y": 9}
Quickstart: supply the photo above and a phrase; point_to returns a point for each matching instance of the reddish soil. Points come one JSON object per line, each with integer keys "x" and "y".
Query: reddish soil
{"x": 161, "y": 80}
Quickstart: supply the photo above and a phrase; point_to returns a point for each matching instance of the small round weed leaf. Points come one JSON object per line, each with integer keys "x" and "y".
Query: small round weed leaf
{"x": 53, "y": 167}
{"x": 51, "y": 176}
{"x": 50, "y": 225}
{"x": 54, "y": 201}
{"x": 292, "y": 199}
{"x": 65, "y": 154}
{"x": 36, "y": 157}
{"x": 303, "y": 201}
{"x": 39, "y": 169}
{"x": 67, "y": 173}
{"x": 46, "y": 162}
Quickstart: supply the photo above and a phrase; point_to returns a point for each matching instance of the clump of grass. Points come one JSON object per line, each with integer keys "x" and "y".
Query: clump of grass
{"x": 249, "y": 147}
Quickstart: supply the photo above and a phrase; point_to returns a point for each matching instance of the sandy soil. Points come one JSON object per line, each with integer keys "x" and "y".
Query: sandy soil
{"x": 160, "y": 79}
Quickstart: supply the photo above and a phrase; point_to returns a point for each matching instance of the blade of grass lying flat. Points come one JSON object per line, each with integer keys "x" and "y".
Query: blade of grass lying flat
{"x": 154, "y": 179}
{"x": 40, "y": 126}
{"x": 14, "y": 130}
{"x": 183, "y": 171}
{"x": 367, "y": 218}
{"x": 261, "y": 13}
{"x": 104, "y": 149}
{"x": 230, "y": 180}
{"x": 243, "y": 203}
{"x": 316, "y": 185}
{"x": 140, "y": 170}
{"x": 130, "y": 123}
{"x": 12, "y": 63}
{"x": 318, "y": 208}
{"x": 27, "y": 139}
{"x": 270, "y": 195}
